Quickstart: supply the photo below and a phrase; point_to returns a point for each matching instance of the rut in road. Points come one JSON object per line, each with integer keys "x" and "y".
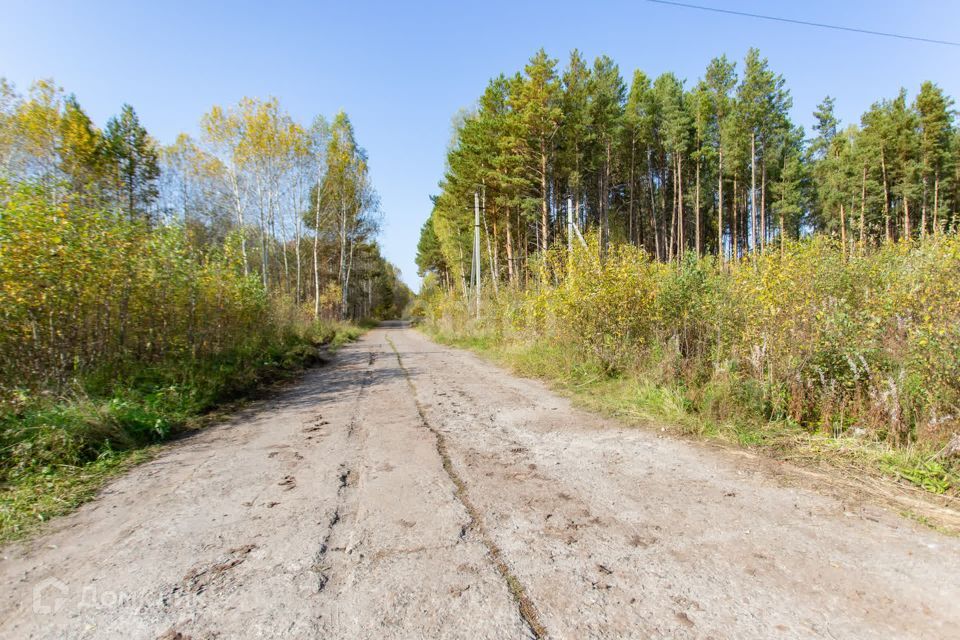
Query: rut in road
{"x": 343, "y": 481}
{"x": 410, "y": 490}
{"x": 527, "y": 609}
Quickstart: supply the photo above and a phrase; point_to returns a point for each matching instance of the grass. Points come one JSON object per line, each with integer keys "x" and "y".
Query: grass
{"x": 636, "y": 399}
{"x": 35, "y": 498}
{"x": 56, "y": 451}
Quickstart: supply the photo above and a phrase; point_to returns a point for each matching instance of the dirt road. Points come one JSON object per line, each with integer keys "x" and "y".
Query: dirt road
{"x": 413, "y": 491}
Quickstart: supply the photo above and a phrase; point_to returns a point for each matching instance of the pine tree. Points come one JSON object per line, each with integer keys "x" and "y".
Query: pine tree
{"x": 607, "y": 93}
{"x": 935, "y": 120}
{"x": 637, "y": 148}
{"x": 429, "y": 254}
{"x": 537, "y": 103}
{"x": 575, "y": 134}
{"x": 907, "y": 166}
{"x": 133, "y": 159}
{"x": 762, "y": 104}
{"x": 701, "y": 112}
{"x": 830, "y": 152}
{"x": 789, "y": 192}
{"x": 650, "y": 163}
{"x": 676, "y": 136}
{"x": 875, "y": 144}
{"x": 719, "y": 81}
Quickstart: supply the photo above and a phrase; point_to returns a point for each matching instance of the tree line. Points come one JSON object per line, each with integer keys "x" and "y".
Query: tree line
{"x": 117, "y": 252}
{"x": 296, "y": 200}
{"x": 716, "y": 167}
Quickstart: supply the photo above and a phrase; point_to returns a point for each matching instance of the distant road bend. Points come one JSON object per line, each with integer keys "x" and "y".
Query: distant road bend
{"x": 410, "y": 490}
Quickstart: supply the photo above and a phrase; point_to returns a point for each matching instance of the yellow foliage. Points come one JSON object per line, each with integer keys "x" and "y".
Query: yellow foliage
{"x": 808, "y": 335}
{"x": 82, "y": 287}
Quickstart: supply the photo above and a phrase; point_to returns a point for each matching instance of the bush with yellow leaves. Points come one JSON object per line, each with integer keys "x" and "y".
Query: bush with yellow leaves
{"x": 868, "y": 342}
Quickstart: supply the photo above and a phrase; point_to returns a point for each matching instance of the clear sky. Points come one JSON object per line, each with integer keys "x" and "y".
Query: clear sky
{"x": 402, "y": 70}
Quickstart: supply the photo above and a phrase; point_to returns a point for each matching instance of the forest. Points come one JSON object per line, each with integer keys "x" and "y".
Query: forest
{"x": 714, "y": 168}
{"x": 753, "y": 277}
{"x": 142, "y": 285}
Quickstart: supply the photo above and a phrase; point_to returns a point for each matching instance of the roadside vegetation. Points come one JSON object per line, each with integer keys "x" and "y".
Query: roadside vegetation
{"x": 804, "y": 353}
{"x": 739, "y": 278}
{"x": 144, "y": 288}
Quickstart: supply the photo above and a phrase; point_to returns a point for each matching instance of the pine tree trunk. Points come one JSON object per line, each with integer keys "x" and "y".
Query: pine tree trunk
{"x": 662, "y": 221}
{"x": 953, "y": 222}
{"x": 544, "y": 204}
{"x": 496, "y": 256}
{"x": 633, "y": 147}
{"x": 735, "y": 231}
{"x": 673, "y": 217}
{"x": 681, "y": 240}
{"x": 783, "y": 235}
{"x": 906, "y": 217}
{"x": 510, "y": 272}
{"x": 576, "y": 187}
{"x": 463, "y": 273}
{"x": 843, "y": 233}
{"x": 600, "y": 212}
{"x": 653, "y": 207}
{"x": 720, "y": 250}
{"x": 605, "y": 194}
{"x": 923, "y": 210}
{"x": 863, "y": 209}
{"x": 753, "y": 192}
{"x": 696, "y": 208}
{"x": 486, "y": 235}
{"x": 936, "y": 204}
{"x": 886, "y": 198}
{"x": 526, "y": 250}
{"x": 763, "y": 205}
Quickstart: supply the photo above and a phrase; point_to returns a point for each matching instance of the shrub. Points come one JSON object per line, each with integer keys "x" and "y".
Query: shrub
{"x": 822, "y": 340}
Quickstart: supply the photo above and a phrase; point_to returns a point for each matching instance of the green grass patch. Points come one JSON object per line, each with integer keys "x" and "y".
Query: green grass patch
{"x": 56, "y": 451}
{"x": 726, "y": 411}
{"x": 37, "y": 497}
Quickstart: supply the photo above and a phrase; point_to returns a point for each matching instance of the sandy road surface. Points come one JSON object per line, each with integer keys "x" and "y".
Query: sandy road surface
{"x": 413, "y": 491}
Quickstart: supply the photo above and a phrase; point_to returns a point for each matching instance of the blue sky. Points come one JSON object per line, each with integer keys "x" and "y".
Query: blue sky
{"x": 403, "y": 70}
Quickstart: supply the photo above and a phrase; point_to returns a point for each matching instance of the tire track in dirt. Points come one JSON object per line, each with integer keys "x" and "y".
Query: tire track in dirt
{"x": 344, "y": 476}
{"x": 527, "y": 609}
{"x": 483, "y": 506}
{"x": 644, "y": 536}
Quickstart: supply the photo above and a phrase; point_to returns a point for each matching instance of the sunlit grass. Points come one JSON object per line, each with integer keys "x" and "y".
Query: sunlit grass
{"x": 636, "y": 399}
{"x": 58, "y": 451}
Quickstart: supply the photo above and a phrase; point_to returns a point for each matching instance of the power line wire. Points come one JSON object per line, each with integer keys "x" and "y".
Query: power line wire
{"x": 820, "y": 25}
